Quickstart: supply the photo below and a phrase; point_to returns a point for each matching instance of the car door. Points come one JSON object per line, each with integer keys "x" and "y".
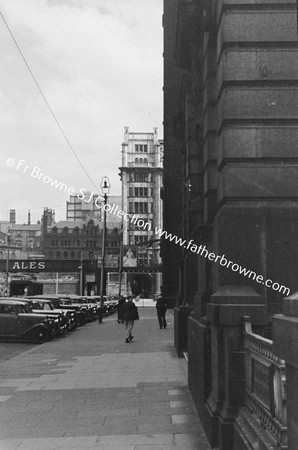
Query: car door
{"x": 9, "y": 321}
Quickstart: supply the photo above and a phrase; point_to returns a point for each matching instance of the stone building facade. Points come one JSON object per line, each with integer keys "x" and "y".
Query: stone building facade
{"x": 141, "y": 174}
{"x": 230, "y": 95}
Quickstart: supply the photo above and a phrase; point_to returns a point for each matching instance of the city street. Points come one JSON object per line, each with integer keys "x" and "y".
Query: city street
{"x": 90, "y": 389}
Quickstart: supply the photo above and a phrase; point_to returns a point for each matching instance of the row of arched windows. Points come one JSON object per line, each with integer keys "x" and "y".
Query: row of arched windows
{"x": 12, "y": 255}
{"x": 141, "y": 160}
{"x": 64, "y": 255}
{"x": 75, "y": 243}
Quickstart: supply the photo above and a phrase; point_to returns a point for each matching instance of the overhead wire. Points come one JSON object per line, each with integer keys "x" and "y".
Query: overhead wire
{"x": 46, "y": 102}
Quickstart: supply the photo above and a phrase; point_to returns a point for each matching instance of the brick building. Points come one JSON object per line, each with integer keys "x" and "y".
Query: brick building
{"x": 77, "y": 239}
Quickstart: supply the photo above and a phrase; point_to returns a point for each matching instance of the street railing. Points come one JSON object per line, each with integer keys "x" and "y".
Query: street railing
{"x": 265, "y": 381}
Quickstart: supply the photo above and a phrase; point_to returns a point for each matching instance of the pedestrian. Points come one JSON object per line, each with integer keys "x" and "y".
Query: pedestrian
{"x": 161, "y": 309}
{"x": 121, "y": 302}
{"x": 129, "y": 313}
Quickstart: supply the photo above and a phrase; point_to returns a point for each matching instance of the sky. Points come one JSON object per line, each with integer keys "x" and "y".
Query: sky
{"x": 99, "y": 65}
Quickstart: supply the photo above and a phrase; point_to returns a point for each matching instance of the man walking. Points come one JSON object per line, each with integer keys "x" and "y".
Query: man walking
{"x": 121, "y": 302}
{"x": 129, "y": 313}
{"x": 161, "y": 309}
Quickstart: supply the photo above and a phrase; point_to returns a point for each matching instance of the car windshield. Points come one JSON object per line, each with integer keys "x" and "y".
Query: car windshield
{"x": 26, "y": 308}
{"x": 65, "y": 302}
{"x": 47, "y": 306}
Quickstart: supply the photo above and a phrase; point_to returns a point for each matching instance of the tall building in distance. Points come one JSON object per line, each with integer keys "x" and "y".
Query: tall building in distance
{"x": 87, "y": 206}
{"x": 142, "y": 178}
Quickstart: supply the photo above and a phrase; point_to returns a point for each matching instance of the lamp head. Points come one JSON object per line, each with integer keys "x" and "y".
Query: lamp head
{"x": 105, "y": 185}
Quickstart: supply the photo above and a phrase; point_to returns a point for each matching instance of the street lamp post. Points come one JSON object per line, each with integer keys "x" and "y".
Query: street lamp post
{"x": 7, "y": 265}
{"x": 120, "y": 263}
{"x": 105, "y": 187}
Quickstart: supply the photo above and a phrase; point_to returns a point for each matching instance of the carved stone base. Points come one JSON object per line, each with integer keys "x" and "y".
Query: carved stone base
{"x": 248, "y": 434}
{"x": 199, "y": 374}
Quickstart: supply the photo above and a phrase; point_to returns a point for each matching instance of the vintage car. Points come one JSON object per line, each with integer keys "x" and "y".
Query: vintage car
{"x": 17, "y": 322}
{"x": 91, "y": 309}
{"x": 60, "y": 321}
{"x": 110, "y": 303}
{"x": 49, "y": 306}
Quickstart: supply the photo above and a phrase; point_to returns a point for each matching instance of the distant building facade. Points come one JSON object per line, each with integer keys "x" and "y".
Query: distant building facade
{"x": 77, "y": 239}
{"x": 87, "y": 206}
{"x": 141, "y": 174}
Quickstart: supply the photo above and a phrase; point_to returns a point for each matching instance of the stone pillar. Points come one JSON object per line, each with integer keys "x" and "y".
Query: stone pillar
{"x": 225, "y": 313}
{"x": 285, "y": 346}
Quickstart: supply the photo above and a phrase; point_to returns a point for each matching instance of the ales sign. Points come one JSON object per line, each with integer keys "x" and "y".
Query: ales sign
{"x": 27, "y": 265}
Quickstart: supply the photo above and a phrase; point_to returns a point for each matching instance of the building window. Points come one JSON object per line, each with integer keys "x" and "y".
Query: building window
{"x": 141, "y": 176}
{"x": 58, "y": 255}
{"x": 141, "y": 148}
{"x": 140, "y": 239}
{"x": 51, "y": 255}
{"x": 145, "y": 160}
{"x": 62, "y": 243}
{"x": 72, "y": 255}
{"x": 131, "y": 191}
{"x": 141, "y": 207}
{"x": 65, "y": 255}
{"x": 141, "y": 192}
{"x": 1, "y": 255}
{"x": 53, "y": 243}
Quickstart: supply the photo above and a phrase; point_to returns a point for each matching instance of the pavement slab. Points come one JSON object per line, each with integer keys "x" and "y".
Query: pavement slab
{"x": 92, "y": 390}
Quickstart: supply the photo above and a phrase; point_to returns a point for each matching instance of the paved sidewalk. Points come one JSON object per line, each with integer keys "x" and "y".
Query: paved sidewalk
{"x": 91, "y": 390}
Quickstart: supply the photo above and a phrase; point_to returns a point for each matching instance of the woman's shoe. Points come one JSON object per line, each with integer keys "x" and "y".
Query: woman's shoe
{"x": 127, "y": 341}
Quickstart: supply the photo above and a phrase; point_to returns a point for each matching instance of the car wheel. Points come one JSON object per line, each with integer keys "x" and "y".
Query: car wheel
{"x": 40, "y": 335}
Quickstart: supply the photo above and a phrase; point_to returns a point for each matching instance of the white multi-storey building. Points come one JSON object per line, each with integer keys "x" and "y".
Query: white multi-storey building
{"x": 88, "y": 206}
{"x": 141, "y": 175}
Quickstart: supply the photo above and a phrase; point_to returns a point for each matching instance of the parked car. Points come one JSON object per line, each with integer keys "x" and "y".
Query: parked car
{"x": 110, "y": 303}
{"x": 60, "y": 323}
{"x": 48, "y": 305}
{"x": 80, "y": 313}
{"x": 17, "y": 322}
{"x": 83, "y": 302}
